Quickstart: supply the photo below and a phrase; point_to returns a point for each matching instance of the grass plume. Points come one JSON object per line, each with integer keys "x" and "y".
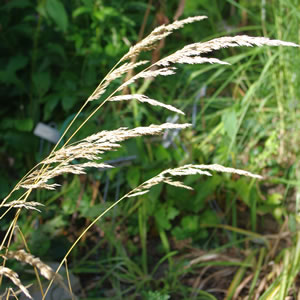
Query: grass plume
{"x": 76, "y": 157}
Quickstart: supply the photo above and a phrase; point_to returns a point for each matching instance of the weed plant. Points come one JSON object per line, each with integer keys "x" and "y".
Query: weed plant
{"x": 74, "y": 157}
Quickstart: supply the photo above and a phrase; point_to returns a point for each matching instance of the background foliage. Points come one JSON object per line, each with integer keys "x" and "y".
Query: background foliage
{"x": 53, "y": 54}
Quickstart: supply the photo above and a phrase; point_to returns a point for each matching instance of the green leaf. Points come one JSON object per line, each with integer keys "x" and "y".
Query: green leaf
{"x": 162, "y": 154}
{"x": 209, "y": 218}
{"x": 155, "y": 295}
{"x": 57, "y": 12}
{"x": 182, "y": 198}
{"x": 274, "y": 199}
{"x": 40, "y": 242}
{"x": 15, "y": 64}
{"x": 68, "y": 102}
{"x": 155, "y": 192}
{"x": 51, "y": 102}
{"x": 111, "y": 50}
{"x": 41, "y": 82}
{"x": 243, "y": 190}
{"x": 163, "y": 215}
{"x": 92, "y": 212}
{"x": 133, "y": 177}
{"x": 5, "y": 185}
{"x": 54, "y": 224}
{"x": 81, "y": 10}
{"x": 204, "y": 189}
{"x": 7, "y": 123}
{"x": 161, "y": 219}
{"x": 172, "y": 212}
{"x": 24, "y": 124}
{"x": 106, "y": 12}
{"x": 14, "y": 139}
{"x": 17, "y": 4}
{"x": 57, "y": 49}
{"x": 69, "y": 206}
{"x": 190, "y": 223}
{"x": 230, "y": 123}
{"x": 190, "y": 226}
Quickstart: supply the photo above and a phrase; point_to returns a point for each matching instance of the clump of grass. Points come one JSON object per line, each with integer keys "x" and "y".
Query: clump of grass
{"x": 77, "y": 156}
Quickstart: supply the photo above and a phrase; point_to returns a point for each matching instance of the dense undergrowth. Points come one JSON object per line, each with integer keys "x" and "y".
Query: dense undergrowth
{"x": 231, "y": 236}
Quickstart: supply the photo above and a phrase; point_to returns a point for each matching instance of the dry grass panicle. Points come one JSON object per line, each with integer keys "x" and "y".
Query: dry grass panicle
{"x": 158, "y": 34}
{"x": 14, "y": 277}
{"x": 30, "y": 205}
{"x": 23, "y": 256}
{"x": 166, "y": 176}
{"x": 89, "y": 149}
{"x": 115, "y": 74}
{"x": 145, "y": 99}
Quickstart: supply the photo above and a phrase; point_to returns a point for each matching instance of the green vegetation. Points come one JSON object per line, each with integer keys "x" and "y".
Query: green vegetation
{"x": 231, "y": 237}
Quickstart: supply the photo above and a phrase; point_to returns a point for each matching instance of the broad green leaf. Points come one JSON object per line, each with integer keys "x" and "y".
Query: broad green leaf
{"x": 7, "y": 123}
{"x": 24, "y": 124}
{"x": 40, "y": 242}
{"x": 57, "y": 12}
{"x": 17, "y": 4}
{"x": 14, "y": 139}
{"x": 68, "y": 102}
{"x": 172, "y": 212}
{"x": 242, "y": 188}
{"x": 103, "y": 14}
{"x": 16, "y": 63}
{"x": 275, "y": 199}
{"x": 209, "y": 218}
{"x": 183, "y": 199}
{"x": 92, "y": 212}
{"x": 204, "y": 189}
{"x": 5, "y": 185}
{"x": 163, "y": 215}
{"x": 56, "y": 223}
{"x": 230, "y": 121}
{"x": 57, "y": 49}
{"x": 190, "y": 223}
{"x": 51, "y": 102}
{"x": 190, "y": 228}
{"x": 161, "y": 219}
{"x": 42, "y": 83}
{"x": 155, "y": 191}
{"x": 155, "y": 295}
{"x": 133, "y": 177}
{"x": 162, "y": 154}
{"x": 111, "y": 50}
{"x": 81, "y": 10}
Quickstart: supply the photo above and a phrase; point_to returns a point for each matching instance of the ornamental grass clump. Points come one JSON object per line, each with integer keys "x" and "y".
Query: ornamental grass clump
{"x": 77, "y": 156}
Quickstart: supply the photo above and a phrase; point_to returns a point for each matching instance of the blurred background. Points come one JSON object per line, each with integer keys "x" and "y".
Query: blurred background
{"x": 53, "y": 53}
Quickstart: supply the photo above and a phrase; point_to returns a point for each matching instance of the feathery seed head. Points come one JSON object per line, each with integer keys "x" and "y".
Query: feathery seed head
{"x": 158, "y": 34}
